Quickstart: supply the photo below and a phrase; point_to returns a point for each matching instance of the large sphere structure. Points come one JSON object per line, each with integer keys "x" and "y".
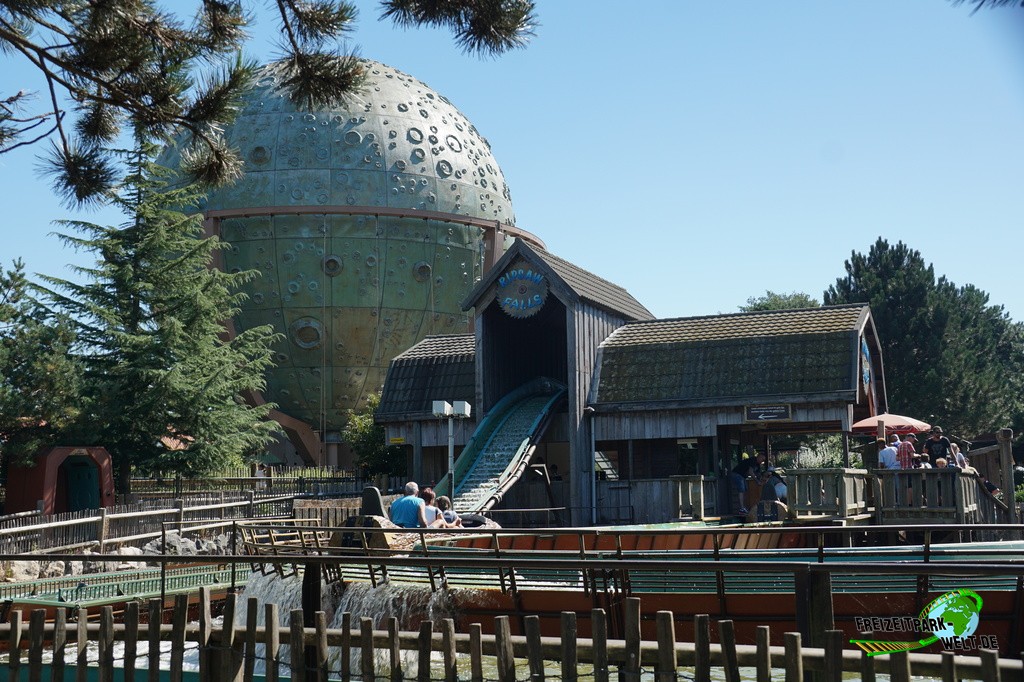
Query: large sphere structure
{"x": 367, "y": 225}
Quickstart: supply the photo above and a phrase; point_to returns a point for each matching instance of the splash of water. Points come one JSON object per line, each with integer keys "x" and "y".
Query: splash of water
{"x": 409, "y": 604}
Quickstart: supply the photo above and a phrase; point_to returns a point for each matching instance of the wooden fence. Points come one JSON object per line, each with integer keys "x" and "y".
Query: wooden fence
{"x": 296, "y": 481}
{"x": 134, "y": 524}
{"x": 363, "y": 652}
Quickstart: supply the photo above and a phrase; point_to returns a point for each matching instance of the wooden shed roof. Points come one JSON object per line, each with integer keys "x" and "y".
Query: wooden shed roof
{"x": 734, "y": 358}
{"x": 436, "y": 368}
{"x": 565, "y": 277}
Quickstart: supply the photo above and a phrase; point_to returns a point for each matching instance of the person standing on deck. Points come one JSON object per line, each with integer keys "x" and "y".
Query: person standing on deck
{"x": 905, "y": 453}
{"x": 738, "y": 478}
{"x": 407, "y": 511}
{"x": 937, "y": 446}
{"x": 887, "y": 458}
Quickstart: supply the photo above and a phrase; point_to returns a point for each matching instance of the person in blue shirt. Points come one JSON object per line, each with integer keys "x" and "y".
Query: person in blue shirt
{"x": 407, "y": 511}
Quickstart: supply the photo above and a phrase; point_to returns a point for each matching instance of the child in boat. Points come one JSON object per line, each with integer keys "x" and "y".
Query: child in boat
{"x": 430, "y": 512}
{"x": 447, "y": 513}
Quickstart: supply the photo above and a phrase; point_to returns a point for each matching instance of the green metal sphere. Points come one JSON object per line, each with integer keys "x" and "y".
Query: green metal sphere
{"x": 348, "y": 286}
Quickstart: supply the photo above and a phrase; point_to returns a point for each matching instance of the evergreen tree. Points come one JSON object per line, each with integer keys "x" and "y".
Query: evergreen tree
{"x": 39, "y": 377}
{"x": 141, "y": 64}
{"x": 950, "y": 358}
{"x": 366, "y": 438}
{"x": 162, "y": 382}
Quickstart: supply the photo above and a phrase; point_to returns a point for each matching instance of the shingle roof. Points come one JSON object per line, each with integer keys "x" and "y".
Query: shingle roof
{"x": 595, "y": 289}
{"x": 436, "y": 368}
{"x": 739, "y": 356}
{"x": 586, "y": 285}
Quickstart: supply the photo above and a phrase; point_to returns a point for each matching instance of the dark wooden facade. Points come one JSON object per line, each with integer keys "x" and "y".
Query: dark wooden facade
{"x": 642, "y": 390}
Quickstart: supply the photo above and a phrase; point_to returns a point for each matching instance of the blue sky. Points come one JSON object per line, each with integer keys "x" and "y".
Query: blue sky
{"x": 701, "y": 153}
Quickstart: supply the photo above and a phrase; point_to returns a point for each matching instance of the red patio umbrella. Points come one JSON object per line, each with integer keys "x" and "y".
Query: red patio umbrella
{"x": 894, "y": 423}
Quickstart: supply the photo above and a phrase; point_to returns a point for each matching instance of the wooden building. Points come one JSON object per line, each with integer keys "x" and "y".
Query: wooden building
{"x": 647, "y": 399}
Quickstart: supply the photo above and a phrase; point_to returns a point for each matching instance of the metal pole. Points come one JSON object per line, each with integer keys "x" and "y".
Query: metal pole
{"x": 451, "y": 456}
{"x": 163, "y": 564}
{"x": 593, "y": 473}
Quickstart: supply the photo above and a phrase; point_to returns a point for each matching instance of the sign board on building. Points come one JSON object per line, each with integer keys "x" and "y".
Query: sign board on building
{"x": 521, "y": 290}
{"x": 396, "y": 440}
{"x": 768, "y": 413}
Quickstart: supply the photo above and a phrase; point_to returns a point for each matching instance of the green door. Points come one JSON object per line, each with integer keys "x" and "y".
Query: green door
{"x": 82, "y": 482}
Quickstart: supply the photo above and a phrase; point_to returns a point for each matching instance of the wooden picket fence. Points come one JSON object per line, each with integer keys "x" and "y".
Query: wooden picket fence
{"x": 364, "y": 653}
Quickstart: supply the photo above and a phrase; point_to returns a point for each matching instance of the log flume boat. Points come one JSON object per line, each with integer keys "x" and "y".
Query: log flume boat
{"x": 804, "y": 579}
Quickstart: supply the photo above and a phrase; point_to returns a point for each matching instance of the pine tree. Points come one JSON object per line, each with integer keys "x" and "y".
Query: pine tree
{"x": 39, "y": 376}
{"x": 146, "y": 65}
{"x": 950, "y": 358}
{"x": 163, "y": 384}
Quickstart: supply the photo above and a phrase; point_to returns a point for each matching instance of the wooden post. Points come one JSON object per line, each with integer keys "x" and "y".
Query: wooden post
{"x": 297, "y": 643}
{"x": 321, "y": 646}
{"x": 599, "y": 636}
{"x": 764, "y": 654}
{"x": 227, "y": 640}
{"x": 178, "y": 621}
{"x": 451, "y": 671}
{"x": 102, "y": 528}
{"x": 131, "y": 640}
{"x": 834, "y": 656}
{"x": 60, "y": 643}
{"x": 503, "y": 650}
{"x": 794, "y": 657}
{"x": 425, "y": 640}
{"x": 179, "y": 505}
{"x": 702, "y": 648}
{"x": 36, "y": 625}
{"x": 476, "y": 653}
{"x": 899, "y": 667}
{"x": 569, "y": 655}
{"x": 534, "y": 654}
{"x": 814, "y": 616}
{"x": 990, "y": 657}
{"x": 252, "y": 615}
{"x": 271, "y": 628}
{"x": 205, "y": 628}
{"x": 1004, "y": 438}
{"x": 346, "y": 646}
{"x": 14, "y": 647}
{"x": 105, "y": 645}
{"x": 867, "y": 663}
{"x": 949, "y": 667}
{"x": 630, "y": 671}
{"x": 727, "y": 639}
{"x": 156, "y": 618}
{"x": 312, "y": 600}
{"x": 366, "y": 648}
{"x": 667, "y": 664}
{"x": 82, "y": 638}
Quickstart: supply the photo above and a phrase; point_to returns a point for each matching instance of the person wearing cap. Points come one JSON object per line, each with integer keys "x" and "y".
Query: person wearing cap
{"x": 887, "y": 458}
{"x": 905, "y": 453}
{"x": 937, "y": 445}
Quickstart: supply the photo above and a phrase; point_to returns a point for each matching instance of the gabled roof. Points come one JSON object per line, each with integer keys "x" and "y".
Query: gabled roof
{"x": 570, "y": 280}
{"x": 734, "y": 357}
{"x": 436, "y": 368}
